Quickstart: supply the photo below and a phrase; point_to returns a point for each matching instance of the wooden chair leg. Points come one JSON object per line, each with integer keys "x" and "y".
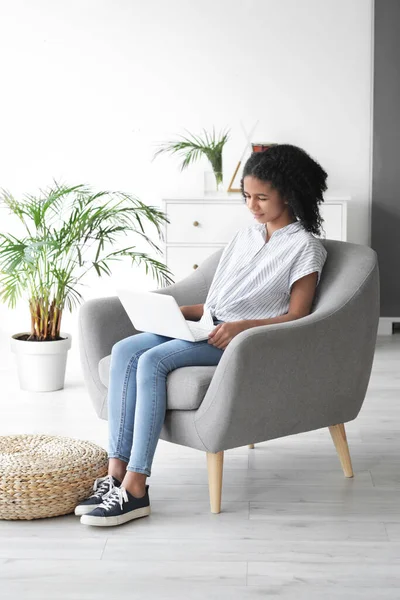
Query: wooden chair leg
{"x": 215, "y": 463}
{"x": 251, "y": 446}
{"x": 339, "y": 438}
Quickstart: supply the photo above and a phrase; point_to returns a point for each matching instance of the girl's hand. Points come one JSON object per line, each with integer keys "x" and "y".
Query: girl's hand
{"x": 225, "y": 332}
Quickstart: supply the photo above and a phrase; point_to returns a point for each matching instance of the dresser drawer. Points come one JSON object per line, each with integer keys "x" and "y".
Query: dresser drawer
{"x": 201, "y": 223}
{"x": 183, "y": 260}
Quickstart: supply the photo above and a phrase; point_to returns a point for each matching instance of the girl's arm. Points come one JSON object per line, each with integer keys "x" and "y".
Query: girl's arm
{"x": 192, "y": 312}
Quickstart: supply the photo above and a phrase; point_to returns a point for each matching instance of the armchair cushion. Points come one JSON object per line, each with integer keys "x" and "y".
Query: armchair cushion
{"x": 186, "y": 387}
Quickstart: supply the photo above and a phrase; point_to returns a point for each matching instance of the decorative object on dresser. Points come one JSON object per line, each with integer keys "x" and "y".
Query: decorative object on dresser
{"x": 261, "y": 147}
{"x": 192, "y": 149}
{"x": 234, "y": 185}
{"x": 198, "y": 226}
{"x": 67, "y": 232}
{"x": 256, "y": 147}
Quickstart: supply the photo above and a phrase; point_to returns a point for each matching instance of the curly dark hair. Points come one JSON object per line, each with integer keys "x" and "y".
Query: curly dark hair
{"x": 297, "y": 177}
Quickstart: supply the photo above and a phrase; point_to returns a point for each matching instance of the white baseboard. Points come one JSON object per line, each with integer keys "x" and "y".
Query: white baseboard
{"x": 385, "y": 326}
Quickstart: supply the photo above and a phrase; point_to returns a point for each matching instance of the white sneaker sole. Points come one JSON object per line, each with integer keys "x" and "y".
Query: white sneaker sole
{"x": 118, "y": 520}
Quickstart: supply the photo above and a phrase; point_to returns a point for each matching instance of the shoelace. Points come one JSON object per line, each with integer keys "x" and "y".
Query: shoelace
{"x": 101, "y": 484}
{"x": 116, "y": 494}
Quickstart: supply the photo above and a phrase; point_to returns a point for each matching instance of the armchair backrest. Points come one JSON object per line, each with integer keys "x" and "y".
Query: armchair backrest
{"x": 346, "y": 268}
{"x": 350, "y": 270}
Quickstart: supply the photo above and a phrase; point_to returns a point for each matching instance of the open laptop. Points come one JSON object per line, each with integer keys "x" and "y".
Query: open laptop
{"x": 160, "y": 313}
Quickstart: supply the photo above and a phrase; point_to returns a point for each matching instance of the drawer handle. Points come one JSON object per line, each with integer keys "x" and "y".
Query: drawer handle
{"x": 196, "y": 223}
{"x": 195, "y": 266}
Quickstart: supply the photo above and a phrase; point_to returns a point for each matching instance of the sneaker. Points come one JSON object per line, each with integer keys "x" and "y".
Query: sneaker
{"x": 101, "y": 486}
{"x": 118, "y": 506}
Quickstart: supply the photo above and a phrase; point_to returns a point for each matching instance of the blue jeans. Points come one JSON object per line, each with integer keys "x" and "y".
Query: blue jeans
{"x": 137, "y": 393}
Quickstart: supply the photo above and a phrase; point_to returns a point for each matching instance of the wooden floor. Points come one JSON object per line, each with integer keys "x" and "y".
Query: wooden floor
{"x": 291, "y": 526}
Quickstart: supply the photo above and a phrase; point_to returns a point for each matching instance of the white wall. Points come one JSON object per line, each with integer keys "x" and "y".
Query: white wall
{"x": 89, "y": 87}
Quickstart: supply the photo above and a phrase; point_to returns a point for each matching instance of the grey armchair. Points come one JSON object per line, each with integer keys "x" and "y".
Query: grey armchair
{"x": 272, "y": 381}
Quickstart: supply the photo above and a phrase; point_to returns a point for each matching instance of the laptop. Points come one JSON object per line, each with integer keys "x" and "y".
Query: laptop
{"x": 160, "y": 313}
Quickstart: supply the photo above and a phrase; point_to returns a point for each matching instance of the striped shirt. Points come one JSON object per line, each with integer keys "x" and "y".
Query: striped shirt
{"x": 253, "y": 279}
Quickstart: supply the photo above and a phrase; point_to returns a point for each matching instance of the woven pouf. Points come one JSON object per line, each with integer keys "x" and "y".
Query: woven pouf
{"x": 46, "y": 475}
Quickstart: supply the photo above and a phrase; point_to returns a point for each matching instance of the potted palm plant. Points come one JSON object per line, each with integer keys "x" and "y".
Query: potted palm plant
{"x": 64, "y": 233}
{"x": 193, "y": 147}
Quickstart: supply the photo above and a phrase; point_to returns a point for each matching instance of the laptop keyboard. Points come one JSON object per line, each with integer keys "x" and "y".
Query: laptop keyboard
{"x": 199, "y": 332}
{"x": 201, "y": 329}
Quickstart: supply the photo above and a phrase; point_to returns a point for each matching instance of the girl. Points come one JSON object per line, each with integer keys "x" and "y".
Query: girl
{"x": 267, "y": 273}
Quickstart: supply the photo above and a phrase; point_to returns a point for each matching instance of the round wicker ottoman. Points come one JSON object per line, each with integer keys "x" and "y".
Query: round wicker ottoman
{"x": 46, "y": 475}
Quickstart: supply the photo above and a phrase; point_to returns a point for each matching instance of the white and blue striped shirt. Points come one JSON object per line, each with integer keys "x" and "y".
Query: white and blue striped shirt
{"x": 253, "y": 279}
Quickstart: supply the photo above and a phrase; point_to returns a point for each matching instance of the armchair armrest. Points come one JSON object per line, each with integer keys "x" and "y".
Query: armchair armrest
{"x": 104, "y": 321}
{"x": 286, "y": 378}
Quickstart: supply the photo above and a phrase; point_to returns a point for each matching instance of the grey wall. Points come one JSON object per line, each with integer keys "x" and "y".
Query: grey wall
{"x": 385, "y": 208}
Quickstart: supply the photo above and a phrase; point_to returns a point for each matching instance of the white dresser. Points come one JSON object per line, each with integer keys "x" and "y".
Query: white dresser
{"x": 200, "y": 225}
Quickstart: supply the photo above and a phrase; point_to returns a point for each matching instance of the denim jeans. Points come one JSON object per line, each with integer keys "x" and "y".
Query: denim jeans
{"x": 137, "y": 393}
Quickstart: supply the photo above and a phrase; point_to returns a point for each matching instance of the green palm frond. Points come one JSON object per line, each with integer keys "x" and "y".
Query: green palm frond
{"x": 69, "y": 231}
{"x": 192, "y": 147}
{"x": 12, "y": 286}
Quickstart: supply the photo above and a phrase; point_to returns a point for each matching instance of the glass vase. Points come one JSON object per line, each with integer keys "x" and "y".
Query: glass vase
{"x": 213, "y": 182}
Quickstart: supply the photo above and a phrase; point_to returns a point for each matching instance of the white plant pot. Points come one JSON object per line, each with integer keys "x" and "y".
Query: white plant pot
{"x": 41, "y": 365}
